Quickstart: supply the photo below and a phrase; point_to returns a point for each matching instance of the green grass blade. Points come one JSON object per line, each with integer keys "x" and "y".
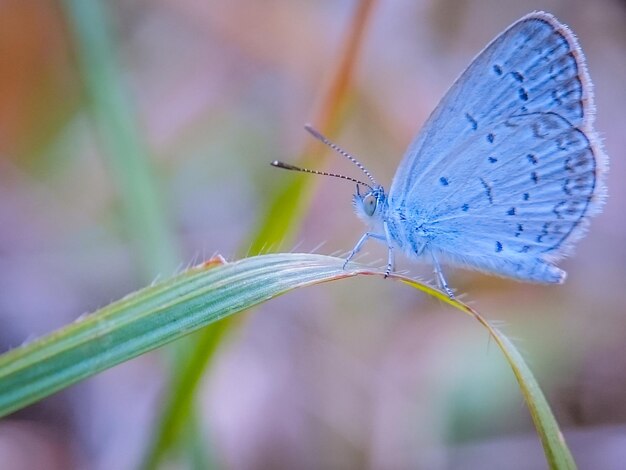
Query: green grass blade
{"x": 167, "y": 311}
{"x": 151, "y": 318}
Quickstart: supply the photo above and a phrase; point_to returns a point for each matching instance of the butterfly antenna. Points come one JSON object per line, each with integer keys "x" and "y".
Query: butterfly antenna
{"x": 287, "y": 166}
{"x": 338, "y": 149}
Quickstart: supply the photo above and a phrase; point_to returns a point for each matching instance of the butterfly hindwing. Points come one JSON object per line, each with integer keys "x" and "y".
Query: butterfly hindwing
{"x": 507, "y": 170}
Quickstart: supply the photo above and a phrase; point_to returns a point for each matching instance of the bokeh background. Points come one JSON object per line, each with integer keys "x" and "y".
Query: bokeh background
{"x": 197, "y": 97}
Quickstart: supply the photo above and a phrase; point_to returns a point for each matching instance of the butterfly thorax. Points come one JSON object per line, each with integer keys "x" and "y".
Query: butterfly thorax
{"x": 408, "y": 230}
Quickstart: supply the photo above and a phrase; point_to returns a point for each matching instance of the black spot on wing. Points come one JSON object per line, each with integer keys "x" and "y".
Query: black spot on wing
{"x": 473, "y": 122}
{"x": 559, "y": 208}
{"x": 487, "y": 188}
{"x": 544, "y": 232}
{"x": 534, "y": 177}
{"x": 566, "y": 187}
{"x": 518, "y": 77}
{"x": 523, "y": 94}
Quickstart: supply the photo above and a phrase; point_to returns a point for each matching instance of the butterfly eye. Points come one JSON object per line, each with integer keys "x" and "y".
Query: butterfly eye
{"x": 369, "y": 204}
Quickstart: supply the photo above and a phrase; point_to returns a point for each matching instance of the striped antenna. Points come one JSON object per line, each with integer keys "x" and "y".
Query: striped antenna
{"x": 287, "y": 166}
{"x": 339, "y": 150}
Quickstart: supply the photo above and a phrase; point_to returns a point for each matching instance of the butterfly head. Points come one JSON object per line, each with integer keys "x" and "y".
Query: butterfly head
{"x": 370, "y": 206}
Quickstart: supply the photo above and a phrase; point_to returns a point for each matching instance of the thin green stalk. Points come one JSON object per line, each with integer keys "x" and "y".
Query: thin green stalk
{"x": 124, "y": 149}
{"x": 557, "y": 453}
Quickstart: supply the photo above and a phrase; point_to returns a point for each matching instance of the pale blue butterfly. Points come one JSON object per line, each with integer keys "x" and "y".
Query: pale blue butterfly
{"x": 506, "y": 172}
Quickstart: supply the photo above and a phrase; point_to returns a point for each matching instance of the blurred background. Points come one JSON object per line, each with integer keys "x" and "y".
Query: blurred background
{"x": 135, "y": 138}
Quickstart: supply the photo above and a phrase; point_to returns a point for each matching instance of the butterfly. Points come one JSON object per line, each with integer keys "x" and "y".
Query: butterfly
{"x": 506, "y": 171}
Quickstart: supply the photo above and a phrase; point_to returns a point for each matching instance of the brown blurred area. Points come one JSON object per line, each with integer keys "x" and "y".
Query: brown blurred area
{"x": 358, "y": 374}
{"x": 38, "y": 82}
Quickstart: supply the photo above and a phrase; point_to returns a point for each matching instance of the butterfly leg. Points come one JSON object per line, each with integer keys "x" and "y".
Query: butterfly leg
{"x": 359, "y": 244}
{"x": 440, "y": 277}
{"x": 390, "y": 255}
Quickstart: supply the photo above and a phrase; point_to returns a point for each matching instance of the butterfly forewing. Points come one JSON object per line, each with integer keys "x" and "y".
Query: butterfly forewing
{"x": 507, "y": 168}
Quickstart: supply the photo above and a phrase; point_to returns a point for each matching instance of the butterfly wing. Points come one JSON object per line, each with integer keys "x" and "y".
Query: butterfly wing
{"x": 507, "y": 169}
